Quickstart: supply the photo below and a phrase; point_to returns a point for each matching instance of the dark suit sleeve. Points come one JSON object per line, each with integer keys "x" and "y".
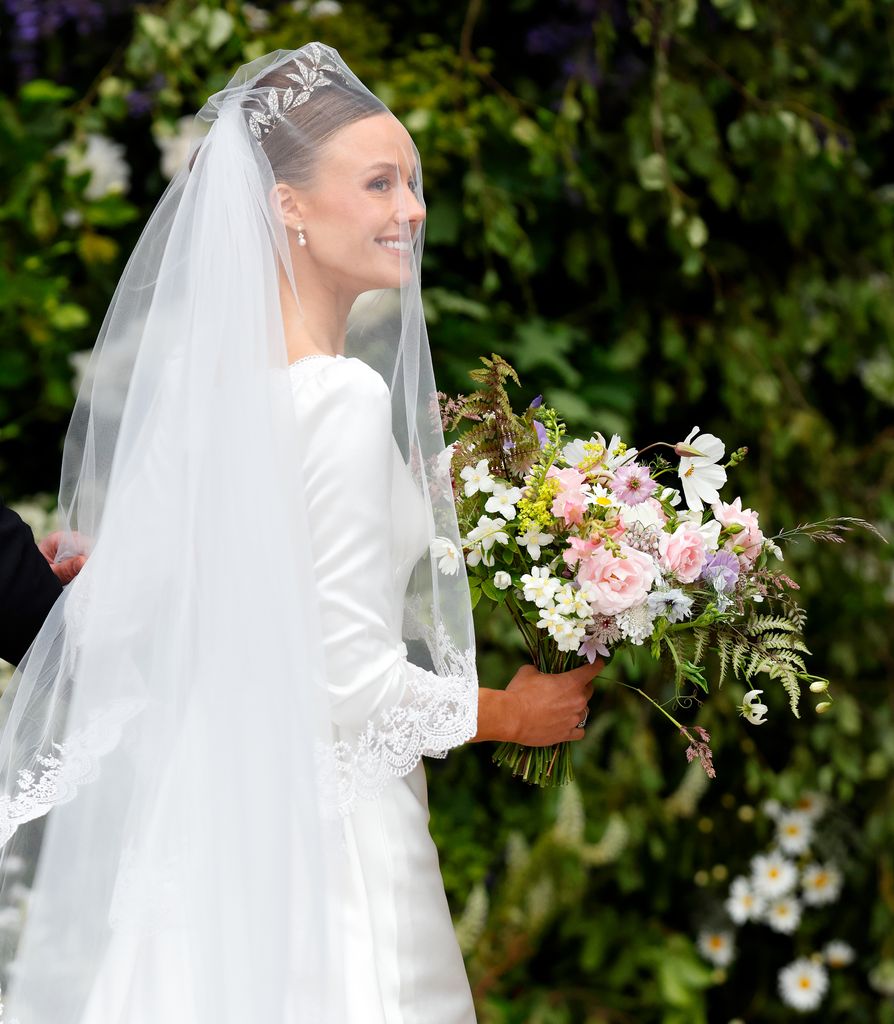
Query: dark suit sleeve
{"x": 28, "y": 587}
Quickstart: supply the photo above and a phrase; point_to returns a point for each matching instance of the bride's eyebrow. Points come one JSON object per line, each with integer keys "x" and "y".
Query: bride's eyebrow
{"x": 382, "y": 165}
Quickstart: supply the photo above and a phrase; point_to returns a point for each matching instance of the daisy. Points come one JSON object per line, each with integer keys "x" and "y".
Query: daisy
{"x": 794, "y": 831}
{"x": 477, "y": 478}
{"x": 772, "y": 875}
{"x": 821, "y": 883}
{"x": 447, "y": 554}
{"x": 783, "y": 915}
{"x": 743, "y": 904}
{"x": 838, "y": 953}
{"x": 716, "y": 947}
{"x": 811, "y": 804}
{"x": 803, "y": 984}
{"x": 700, "y": 475}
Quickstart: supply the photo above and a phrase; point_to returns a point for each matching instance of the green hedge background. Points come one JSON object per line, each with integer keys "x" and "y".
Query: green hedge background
{"x": 662, "y": 214}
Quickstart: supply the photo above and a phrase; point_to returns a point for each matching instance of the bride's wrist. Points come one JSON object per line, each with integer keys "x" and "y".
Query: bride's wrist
{"x": 497, "y": 716}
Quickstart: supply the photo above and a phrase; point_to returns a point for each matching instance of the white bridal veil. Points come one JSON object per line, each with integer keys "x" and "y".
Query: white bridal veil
{"x": 173, "y": 715}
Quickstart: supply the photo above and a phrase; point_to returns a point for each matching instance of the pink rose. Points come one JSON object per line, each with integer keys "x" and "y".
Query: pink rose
{"x": 578, "y": 548}
{"x": 620, "y": 581}
{"x": 570, "y": 502}
{"x": 683, "y": 552}
{"x": 750, "y": 537}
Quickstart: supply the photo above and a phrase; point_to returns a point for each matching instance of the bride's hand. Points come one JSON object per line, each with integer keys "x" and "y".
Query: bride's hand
{"x": 546, "y": 707}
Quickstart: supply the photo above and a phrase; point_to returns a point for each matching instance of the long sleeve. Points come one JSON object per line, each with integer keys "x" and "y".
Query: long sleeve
{"x": 392, "y": 710}
{"x": 28, "y": 587}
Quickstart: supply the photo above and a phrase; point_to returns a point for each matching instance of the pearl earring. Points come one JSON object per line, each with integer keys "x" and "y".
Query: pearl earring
{"x": 301, "y": 239}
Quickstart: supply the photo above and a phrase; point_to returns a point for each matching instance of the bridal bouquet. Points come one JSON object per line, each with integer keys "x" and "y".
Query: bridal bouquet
{"x": 590, "y": 547}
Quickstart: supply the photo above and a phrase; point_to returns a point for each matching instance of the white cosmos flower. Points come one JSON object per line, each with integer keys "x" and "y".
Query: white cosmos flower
{"x": 743, "y": 904}
{"x": 803, "y": 983}
{"x": 447, "y": 554}
{"x": 783, "y": 915}
{"x": 820, "y": 883}
{"x": 752, "y": 709}
{"x": 700, "y": 476}
{"x": 794, "y": 831}
{"x": 838, "y": 953}
{"x": 502, "y": 580}
{"x": 477, "y": 478}
{"x": 773, "y": 875}
{"x": 716, "y": 947}
{"x": 534, "y": 540}
{"x": 503, "y": 500}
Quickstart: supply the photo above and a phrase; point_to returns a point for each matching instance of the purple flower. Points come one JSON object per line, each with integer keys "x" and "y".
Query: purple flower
{"x": 538, "y": 401}
{"x": 722, "y": 566}
{"x": 632, "y": 484}
{"x": 541, "y": 432}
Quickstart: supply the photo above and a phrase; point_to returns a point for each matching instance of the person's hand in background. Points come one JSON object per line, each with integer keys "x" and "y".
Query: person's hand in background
{"x": 65, "y": 569}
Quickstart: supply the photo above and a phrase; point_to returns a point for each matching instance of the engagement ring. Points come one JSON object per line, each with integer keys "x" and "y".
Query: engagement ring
{"x": 583, "y": 721}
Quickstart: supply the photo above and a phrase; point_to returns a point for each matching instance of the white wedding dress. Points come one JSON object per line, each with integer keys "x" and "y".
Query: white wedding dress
{"x": 402, "y": 963}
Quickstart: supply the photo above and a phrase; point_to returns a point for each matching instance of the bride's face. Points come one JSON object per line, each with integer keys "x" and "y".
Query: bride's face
{"x": 363, "y": 198}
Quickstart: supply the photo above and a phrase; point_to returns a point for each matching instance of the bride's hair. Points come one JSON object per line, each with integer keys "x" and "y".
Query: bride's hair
{"x": 294, "y": 145}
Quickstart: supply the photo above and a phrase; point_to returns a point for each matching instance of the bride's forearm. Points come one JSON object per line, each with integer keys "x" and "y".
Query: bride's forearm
{"x": 496, "y": 716}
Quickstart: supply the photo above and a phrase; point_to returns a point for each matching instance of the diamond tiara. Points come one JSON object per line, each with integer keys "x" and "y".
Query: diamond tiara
{"x": 310, "y": 65}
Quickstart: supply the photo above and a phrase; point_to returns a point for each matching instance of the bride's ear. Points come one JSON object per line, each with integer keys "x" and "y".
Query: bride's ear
{"x": 286, "y": 204}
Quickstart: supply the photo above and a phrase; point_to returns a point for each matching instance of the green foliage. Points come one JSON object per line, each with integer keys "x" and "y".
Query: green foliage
{"x": 680, "y": 214}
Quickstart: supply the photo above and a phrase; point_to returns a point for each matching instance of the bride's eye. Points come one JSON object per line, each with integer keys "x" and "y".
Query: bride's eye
{"x": 380, "y": 185}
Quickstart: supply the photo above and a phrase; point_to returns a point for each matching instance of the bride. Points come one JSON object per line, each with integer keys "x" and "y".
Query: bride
{"x": 229, "y": 736}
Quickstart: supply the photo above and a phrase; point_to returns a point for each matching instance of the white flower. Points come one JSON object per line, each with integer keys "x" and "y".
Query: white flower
{"x": 794, "y": 831}
{"x": 104, "y": 159}
{"x": 488, "y": 532}
{"x": 636, "y": 623}
{"x": 477, "y": 478}
{"x": 539, "y": 586}
{"x": 772, "y": 808}
{"x": 743, "y": 904}
{"x": 772, "y": 875}
{"x": 175, "y": 142}
{"x": 645, "y": 513}
{"x": 257, "y": 18}
{"x": 752, "y": 709}
{"x": 577, "y": 451}
{"x": 601, "y": 497}
{"x": 567, "y": 635}
{"x": 803, "y": 983}
{"x": 700, "y": 475}
{"x": 670, "y": 495}
{"x": 566, "y": 599}
{"x": 478, "y": 554}
{"x": 534, "y": 540}
{"x": 443, "y": 460}
{"x": 446, "y": 552}
{"x": 717, "y": 947}
{"x": 774, "y": 549}
{"x": 324, "y": 9}
{"x": 783, "y": 915}
{"x": 838, "y": 953}
{"x": 811, "y": 804}
{"x": 820, "y": 883}
{"x": 710, "y": 530}
{"x": 503, "y": 500}
{"x": 502, "y": 580}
